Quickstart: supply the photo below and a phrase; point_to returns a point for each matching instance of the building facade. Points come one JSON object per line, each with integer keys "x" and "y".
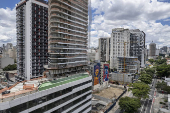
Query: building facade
{"x": 5, "y": 61}
{"x": 152, "y": 49}
{"x": 124, "y": 43}
{"x": 132, "y": 64}
{"x": 68, "y": 34}
{"x": 137, "y": 45}
{"x": 119, "y": 45}
{"x": 67, "y": 95}
{"x": 104, "y": 49}
{"x": 32, "y": 38}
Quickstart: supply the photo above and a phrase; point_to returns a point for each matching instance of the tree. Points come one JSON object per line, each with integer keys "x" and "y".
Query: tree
{"x": 130, "y": 105}
{"x": 10, "y": 67}
{"x": 150, "y": 71}
{"x": 146, "y": 78}
{"x": 160, "y": 61}
{"x": 163, "y": 70}
{"x": 163, "y": 86}
{"x": 140, "y": 90}
{"x": 151, "y": 61}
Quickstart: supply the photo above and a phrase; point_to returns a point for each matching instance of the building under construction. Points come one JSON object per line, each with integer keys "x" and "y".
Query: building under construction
{"x": 68, "y": 34}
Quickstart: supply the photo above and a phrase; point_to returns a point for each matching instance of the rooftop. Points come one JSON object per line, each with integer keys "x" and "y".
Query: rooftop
{"x": 35, "y": 85}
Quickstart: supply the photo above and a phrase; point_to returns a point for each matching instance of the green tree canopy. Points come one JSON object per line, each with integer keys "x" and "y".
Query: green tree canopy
{"x": 163, "y": 70}
{"x": 130, "y": 105}
{"x": 150, "y": 71}
{"x": 160, "y": 61}
{"x": 163, "y": 86}
{"x": 146, "y": 78}
{"x": 140, "y": 90}
{"x": 10, "y": 67}
{"x": 151, "y": 61}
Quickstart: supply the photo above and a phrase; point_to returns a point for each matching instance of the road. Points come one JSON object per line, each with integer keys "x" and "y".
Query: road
{"x": 147, "y": 103}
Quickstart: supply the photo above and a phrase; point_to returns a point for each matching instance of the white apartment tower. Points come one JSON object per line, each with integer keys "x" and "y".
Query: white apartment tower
{"x": 32, "y": 38}
{"x": 127, "y": 43}
{"x": 120, "y": 38}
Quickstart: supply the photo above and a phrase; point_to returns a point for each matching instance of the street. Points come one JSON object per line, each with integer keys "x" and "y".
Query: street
{"x": 146, "y": 106}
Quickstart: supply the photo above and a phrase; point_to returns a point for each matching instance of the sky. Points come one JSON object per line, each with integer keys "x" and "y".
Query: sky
{"x": 150, "y": 16}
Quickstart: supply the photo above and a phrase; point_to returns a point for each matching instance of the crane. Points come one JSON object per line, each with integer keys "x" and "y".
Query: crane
{"x": 124, "y": 64}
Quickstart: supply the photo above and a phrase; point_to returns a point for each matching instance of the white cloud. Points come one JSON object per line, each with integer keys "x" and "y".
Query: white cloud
{"x": 132, "y": 14}
{"x": 7, "y": 26}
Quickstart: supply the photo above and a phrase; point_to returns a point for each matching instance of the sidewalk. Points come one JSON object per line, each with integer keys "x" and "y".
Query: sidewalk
{"x": 116, "y": 107}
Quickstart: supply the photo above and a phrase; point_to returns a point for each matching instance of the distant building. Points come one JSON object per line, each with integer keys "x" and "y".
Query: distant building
{"x": 122, "y": 77}
{"x": 123, "y": 42}
{"x": 5, "y": 61}
{"x": 165, "y": 48}
{"x": 152, "y": 49}
{"x": 9, "y": 50}
{"x": 119, "y": 44}
{"x": 104, "y": 49}
{"x": 132, "y": 64}
{"x": 91, "y": 53}
{"x": 137, "y": 45}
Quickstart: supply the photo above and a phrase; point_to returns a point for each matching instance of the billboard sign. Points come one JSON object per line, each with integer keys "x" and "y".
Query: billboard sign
{"x": 97, "y": 74}
{"x": 105, "y": 72}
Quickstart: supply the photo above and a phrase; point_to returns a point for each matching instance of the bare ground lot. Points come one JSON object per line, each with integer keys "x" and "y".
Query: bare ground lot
{"x": 110, "y": 93}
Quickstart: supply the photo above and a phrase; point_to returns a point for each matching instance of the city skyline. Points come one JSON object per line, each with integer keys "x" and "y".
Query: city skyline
{"x": 148, "y": 16}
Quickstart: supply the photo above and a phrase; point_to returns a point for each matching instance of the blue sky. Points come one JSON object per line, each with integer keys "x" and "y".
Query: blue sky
{"x": 151, "y": 17}
{"x": 8, "y": 3}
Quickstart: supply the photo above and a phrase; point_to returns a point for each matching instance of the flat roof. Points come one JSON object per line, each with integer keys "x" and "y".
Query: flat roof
{"x": 62, "y": 81}
{"x": 42, "y": 83}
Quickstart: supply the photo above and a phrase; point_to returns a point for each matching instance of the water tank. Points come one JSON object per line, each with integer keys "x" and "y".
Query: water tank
{"x": 152, "y": 48}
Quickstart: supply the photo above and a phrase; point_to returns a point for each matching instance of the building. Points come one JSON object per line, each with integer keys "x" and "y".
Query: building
{"x": 122, "y": 77}
{"x": 152, "y": 49}
{"x": 5, "y": 61}
{"x": 67, "y": 47}
{"x": 137, "y": 46}
{"x": 104, "y": 49}
{"x": 165, "y": 49}
{"x": 119, "y": 44}
{"x": 131, "y": 64}
{"x": 9, "y": 50}
{"x": 91, "y": 53}
{"x": 45, "y": 95}
{"x": 32, "y": 38}
{"x": 125, "y": 43}
{"x": 68, "y": 34}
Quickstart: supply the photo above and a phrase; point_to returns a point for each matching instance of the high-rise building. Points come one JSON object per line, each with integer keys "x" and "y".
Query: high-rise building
{"x": 152, "y": 49}
{"x": 126, "y": 43}
{"x": 104, "y": 49}
{"x": 165, "y": 49}
{"x": 119, "y": 45}
{"x": 137, "y": 45}
{"x": 32, "y": 38}
{"x": 55, "y": 92}
{"x": 67, "y": 46}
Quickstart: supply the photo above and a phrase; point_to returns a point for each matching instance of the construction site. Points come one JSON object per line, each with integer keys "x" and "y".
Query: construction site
{"x": 103, "y": 98}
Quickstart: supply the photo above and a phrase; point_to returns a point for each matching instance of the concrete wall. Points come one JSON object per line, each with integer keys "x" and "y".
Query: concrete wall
{"x": 102, "y": 98}
{"x": 119, "y": 77}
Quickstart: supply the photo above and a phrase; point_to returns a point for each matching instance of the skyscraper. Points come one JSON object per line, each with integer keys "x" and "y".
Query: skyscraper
{"x": 104, "y": 49}
{"x": 32, "y": 38}
{"x": 67, "y": 46}
{"x": 137, "y": 45}
{"x": 127, "y": 43}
